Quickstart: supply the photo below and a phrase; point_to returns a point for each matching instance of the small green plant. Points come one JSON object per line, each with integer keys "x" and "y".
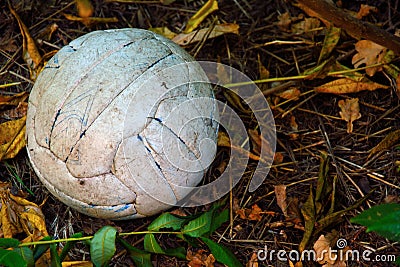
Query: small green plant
{"x": 383, "y": 219}
{"x": 194, "y": 230}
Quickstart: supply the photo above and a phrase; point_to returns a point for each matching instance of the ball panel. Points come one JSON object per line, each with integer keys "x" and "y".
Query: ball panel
{"x": 135, "y": 167}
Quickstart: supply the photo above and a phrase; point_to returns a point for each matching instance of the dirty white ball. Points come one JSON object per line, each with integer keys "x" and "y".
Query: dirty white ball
{"x": 121, "y": 124}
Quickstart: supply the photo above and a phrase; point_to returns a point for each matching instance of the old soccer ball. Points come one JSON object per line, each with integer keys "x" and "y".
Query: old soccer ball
{"x": 121, "y": 124}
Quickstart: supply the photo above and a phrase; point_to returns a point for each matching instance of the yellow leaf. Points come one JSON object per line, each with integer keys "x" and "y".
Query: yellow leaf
{"x": 20, "y": 215}
{"x": 84, "y": 7}
{"x": 369, "y": 53}
{"x": 209, "y": 33}
{"x": 30, "y": 52}
{"x": 13, "y": 100}
{"x": 350, "y": 112}
{"x": 208, "y": 8}
{"x": 347, "y": 85}
{"x": 164, "y": 31}
{"x": 12, "y": 138}
{"x": 90, "y": 20}
{"x": 386, "y": 143}
{"x": 76, "y": 264}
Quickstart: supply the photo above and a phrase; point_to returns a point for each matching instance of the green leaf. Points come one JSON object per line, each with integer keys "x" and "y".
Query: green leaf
{"x": 308, "y": 211}
{"x": 40, "y": 249}
{"x": 167, "y": 220}
{"x": 68, "y": 246}
{"x": 139, "y": 257}
{"x": 382, "y": 219}
{"x": 221, "y": 253}
{"x": 199, "y": 226}
{"x": 9, "y": 243}
{"x": 219, "y": 219}
{"x": 27, "y": 254}
{"x": 179, "y": 252}
{"x": 332, "y": 37}
{"x": 55, "y": 259}
{"x": 102, "y": 246}
{"x": 151, "y": 244}
{"x": 11, "y": 258}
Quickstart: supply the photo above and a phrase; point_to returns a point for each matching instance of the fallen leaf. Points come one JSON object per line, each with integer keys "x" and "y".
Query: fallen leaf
{"x": 253, "y": 262}
{"x": 325, "y": 255}
{"x": 209, "y": 33}
{"x": 369, "y": 53}
{"x": 323, "y": 250}
{"x": 365, "y": 10}
{"x": 255, "y": 140}
{"x": 284, "y": 21}
{"x": 13, "y": 100}
{"x": 350, "y": 111}
{"x": 16, "y": 113}
{"x": 209, "y": 7}
{"x": 89, "y": 21}
{"x": 331, "y": 39}
{"x": 224, "y": 141}
{"x": 76, "y": 264}
{"x": 349, "y": 85}
{"x": 293, "y": 124}
{"x": 253, "y": 214}
{"x": 280, "y": 194}
{"x": 200, "y": 258}
{"x": 291, "y": 93}
{"x": 85, "y": 8}
{"x": 19, "y": 215}
{"x": 12, "y": 138}
{"x": 164, "y": 31}
{"x": 386, "y": 143}
{"x": 307, "y": 26}
{"x": 278, "y": 158}
{"x": 30, "y": 53}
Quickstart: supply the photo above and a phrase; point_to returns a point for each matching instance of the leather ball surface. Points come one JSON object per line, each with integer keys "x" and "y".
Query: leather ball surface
{"x": 121, "y": 124}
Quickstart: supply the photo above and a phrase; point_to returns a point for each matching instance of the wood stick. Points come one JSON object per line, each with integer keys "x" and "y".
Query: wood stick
{"x": 326, "y": 10}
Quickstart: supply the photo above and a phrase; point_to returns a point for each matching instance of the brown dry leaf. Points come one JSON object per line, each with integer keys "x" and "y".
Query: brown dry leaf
{"x": 280, "y": 193}
{"x": 224, "y": 141}
{"x": 323, "y": 250}
{"x": 85, "y": 8}
{"x": 386, "y": 143}
{"x": 253, "y": 262}
{"x": 76, "y": 264}
{"x": 369, "y": 53}
{"x": 365, "y": 10}
{"x": 291, "y": 93}
{"x": 348, "y": 85}
{"x": 307, "y": 26}
{"x": 321, "y": 247}
{"x": 90, "y": 20}
{"x": 16, "y": 113}
{"x": 200, "y": 258}
{"x": 350, "y": 111}
{"x": 255, "y": 140}
{"x": 284, "y": 21}
{"x": 12, "y": 138}
{"x": 209, "y": 33}
{"x": 293, "y": 124}
{"x": 30, "y": 53}
{"x": 204, "y": 11}
{"x": 19, "y": 215}
{"x": 253, "y": 214}
{"x": 13, "y": 100}
{"x": 278, "y": 158}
